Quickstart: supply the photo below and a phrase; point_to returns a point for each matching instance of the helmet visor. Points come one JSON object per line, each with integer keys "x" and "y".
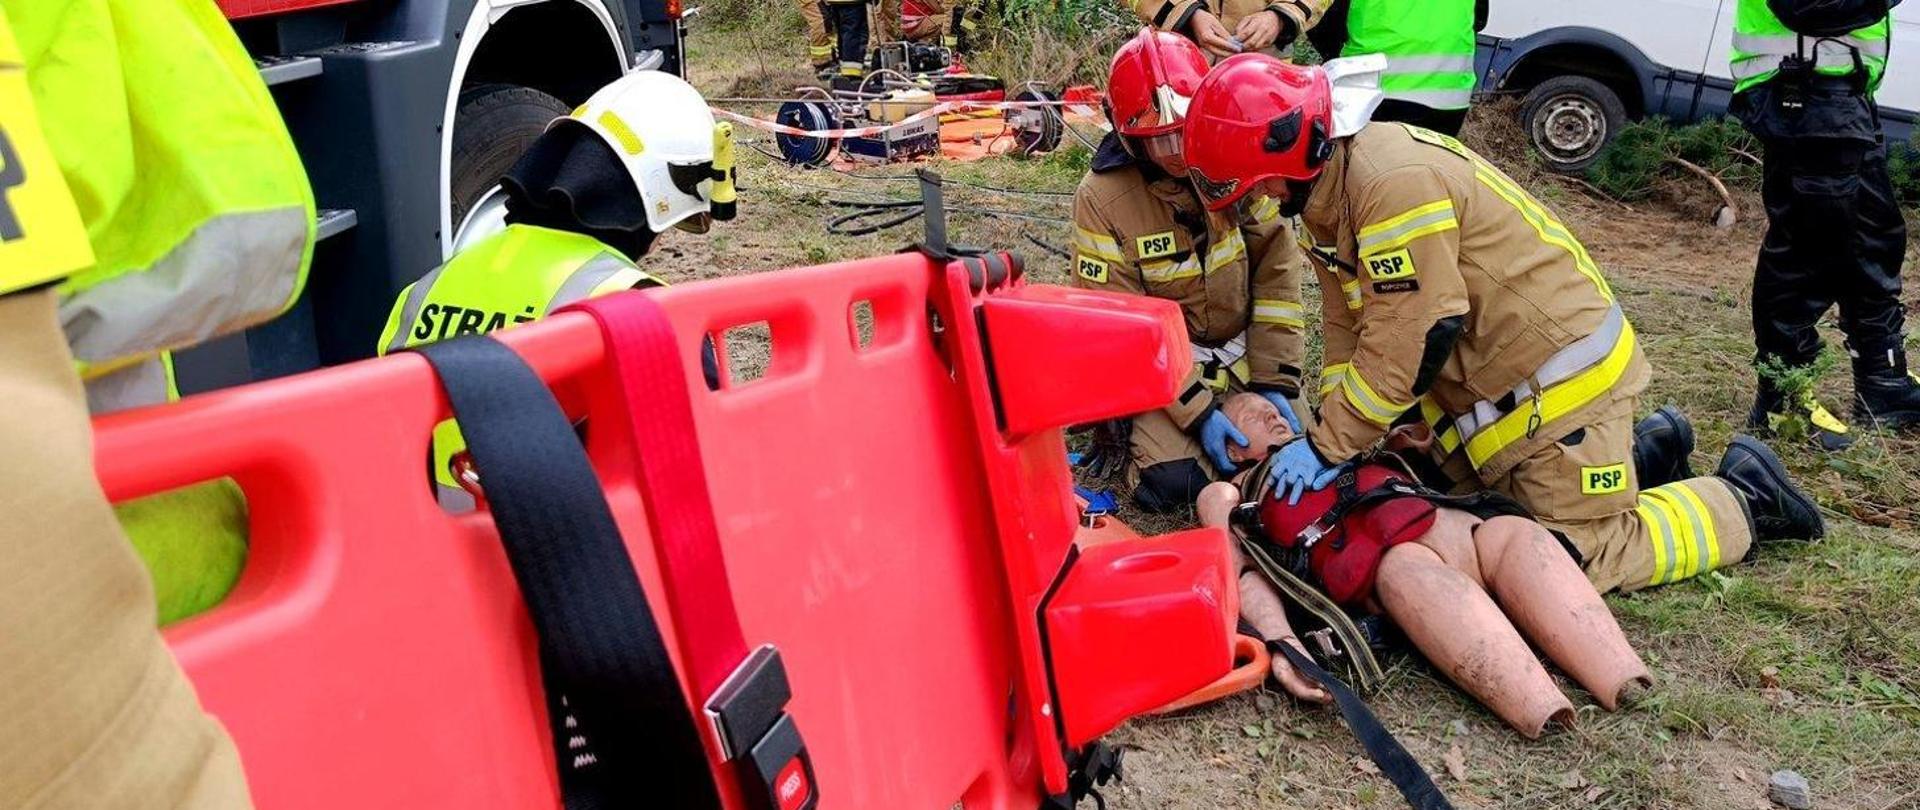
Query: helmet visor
{"x": 1166, "y": 148}
{"x": 688, "y": 176}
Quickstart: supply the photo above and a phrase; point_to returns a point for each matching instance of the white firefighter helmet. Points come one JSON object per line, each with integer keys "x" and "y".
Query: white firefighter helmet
{"x": 663, "y": 133}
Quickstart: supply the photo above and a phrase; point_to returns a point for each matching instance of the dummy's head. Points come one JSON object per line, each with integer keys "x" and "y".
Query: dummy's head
{"x": 1260, "y": 422}
{"x": 641, "y": 156}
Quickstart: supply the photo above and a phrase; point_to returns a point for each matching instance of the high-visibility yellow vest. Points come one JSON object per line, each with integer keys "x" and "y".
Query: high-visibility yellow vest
{"x": 41, "y": 236}
{"x": 513, "y": 277}
{"x": 195, "y": 203}
{"x": 1429, "y": 47}
{"x": 1761, "y": 40}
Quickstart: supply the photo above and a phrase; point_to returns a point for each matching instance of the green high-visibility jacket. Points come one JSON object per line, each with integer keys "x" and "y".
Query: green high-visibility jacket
{"x": 196, "y": 207}
{"x": 1761, "y": 39}
{"x": 513, "y": 277}
{"x": 1429, "y": 46}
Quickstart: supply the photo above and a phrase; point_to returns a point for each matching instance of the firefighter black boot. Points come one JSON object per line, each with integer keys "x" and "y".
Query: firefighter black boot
{"x": 1779, "y": 510}
{"x": 1885, "y": 394}
{"x": 1661, "y": 444}
{"x": 1771, "y": 405}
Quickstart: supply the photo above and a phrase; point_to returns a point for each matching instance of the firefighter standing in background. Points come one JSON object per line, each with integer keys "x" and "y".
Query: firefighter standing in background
{"x": 1805, "y": 76}
{"x": 150, "y": 198}
{"x": 1451, "y": 294}
{"x": 1226, "y": 27}
{"x": 1429, "y": 47}
{"x": 820, "y": 48}
{"x": 586, "y": 201}
{"x": 1140, "y": 228}
{"x": 847, "y": 19}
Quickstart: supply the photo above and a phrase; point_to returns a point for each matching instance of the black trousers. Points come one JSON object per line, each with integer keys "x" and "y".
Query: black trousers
{"x": 1446, "y": 122}
{"x": 1835, "y": 235}
{"x": 848, "y": 21}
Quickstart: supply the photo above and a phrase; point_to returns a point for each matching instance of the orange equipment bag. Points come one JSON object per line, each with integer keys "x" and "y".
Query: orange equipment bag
{"x": 890, "y": 499}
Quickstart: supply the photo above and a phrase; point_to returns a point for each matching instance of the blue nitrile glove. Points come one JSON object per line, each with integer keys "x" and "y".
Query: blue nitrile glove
{"x": 1215, "y": 432}
{"x": 1298, "y": 468}
{"x": 1280, "y": 401}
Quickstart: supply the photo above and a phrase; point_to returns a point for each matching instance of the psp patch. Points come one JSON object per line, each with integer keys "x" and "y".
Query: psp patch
{"x": 1157, "y": 245}
{"x": 1093, "y": 270}
{"x": 1394, "y": 265}
{"x": 1605, "y": 480}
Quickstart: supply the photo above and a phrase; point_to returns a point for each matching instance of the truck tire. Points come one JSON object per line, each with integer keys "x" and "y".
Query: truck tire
{"x": 492, "y": 126}
{"x": 1570, "y": 119}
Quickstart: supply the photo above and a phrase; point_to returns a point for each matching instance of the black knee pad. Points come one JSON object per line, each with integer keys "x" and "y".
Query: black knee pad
{"x": 1171, "y": 486}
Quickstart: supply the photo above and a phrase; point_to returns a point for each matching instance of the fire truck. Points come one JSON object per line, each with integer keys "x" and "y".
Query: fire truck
{"x": 405, "y": 112}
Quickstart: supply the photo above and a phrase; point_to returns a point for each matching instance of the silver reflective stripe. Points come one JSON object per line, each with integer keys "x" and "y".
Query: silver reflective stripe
{"x": 1824, "y": 47}
{"x": 233, "y": 271}
{"x": 1574, "y": 358}
{"x": 1226, "y": 355}
{"x": 1666, "y": 532}
{"x": 1444, "y": 63}
{"x": 410, "y": 311}
{"x": 585, "y": 280}
{"x": 1436, "y": 99}
{"x": 130, "y": 387}
{"x": 1395, "y": 233}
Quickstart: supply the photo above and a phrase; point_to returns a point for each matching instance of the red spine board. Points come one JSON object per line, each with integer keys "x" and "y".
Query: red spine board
{"x": 242, "y": 9}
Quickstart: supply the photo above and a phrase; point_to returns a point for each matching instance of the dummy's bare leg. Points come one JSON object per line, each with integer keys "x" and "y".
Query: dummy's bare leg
{"x": 1259, "y": 604}
{"x": 1459, "y": 628}
{"x": 1550, "y": 600}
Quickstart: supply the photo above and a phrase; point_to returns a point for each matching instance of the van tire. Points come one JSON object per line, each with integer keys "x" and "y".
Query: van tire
{"x": 493, "y": 124}
{"x": 1570, "y": 120}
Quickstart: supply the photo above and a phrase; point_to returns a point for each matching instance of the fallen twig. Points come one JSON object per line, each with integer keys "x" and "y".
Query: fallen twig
{"x": 1592, "y": 188}
{"x": 1753, "y": 158}
{"x": 1729, "y": 212}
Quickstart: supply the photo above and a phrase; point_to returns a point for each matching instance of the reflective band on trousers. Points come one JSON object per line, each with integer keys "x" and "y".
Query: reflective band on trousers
{"x": 1759, "y": 55}
{"x": 1686, "y": 543}
{"x": 1573, "y": 377}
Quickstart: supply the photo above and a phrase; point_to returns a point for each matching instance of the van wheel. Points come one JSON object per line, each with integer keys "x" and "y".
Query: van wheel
{"x": 1570, "y": 119}
{"x": 493, "y": 124}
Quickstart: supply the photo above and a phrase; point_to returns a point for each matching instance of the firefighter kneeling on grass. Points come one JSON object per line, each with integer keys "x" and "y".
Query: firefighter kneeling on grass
{"x": 1140, "y": 228}
{"x": 1451, "y": 295}
{"x": 587, "y": 199}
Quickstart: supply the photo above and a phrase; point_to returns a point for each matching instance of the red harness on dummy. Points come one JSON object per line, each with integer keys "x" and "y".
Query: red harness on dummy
{"x": 1340, "y": 533}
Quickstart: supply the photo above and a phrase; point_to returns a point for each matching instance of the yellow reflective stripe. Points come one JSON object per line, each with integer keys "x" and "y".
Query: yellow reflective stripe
{"x": 1232, "y": 247}
{"x": 1169, "y": 271}
{"x": 1284, "y": 313}
{"x": 1559, "y": 400}
{"x": 1331, "y": 376}
{"x": 1549, "y": 229}
{"x": 1659, "y": 525}
{"x": 1352, "y": 291}
{"x": 1266, "y": 210}
{"x": 1709, "y": 532}
{"x": 1396, "y": 232}
{"x": 1099, "y": 246}
{"x": 1375, "y": 408}
{"x": 1823, "y": 418}
{"x": 1689, "y": 550}
{"x": 1444, "y": 430}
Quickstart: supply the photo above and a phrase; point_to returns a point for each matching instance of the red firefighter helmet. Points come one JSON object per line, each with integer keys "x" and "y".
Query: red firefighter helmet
{"x": 1256, "y": 118}
{"x": 1151, "y": 81}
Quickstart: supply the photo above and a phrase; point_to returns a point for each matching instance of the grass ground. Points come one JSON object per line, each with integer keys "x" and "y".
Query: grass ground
{"x": 1804, "y": 657}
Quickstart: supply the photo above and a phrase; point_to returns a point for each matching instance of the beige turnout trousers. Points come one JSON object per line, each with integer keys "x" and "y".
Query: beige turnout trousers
{"x": 94, "y": 712}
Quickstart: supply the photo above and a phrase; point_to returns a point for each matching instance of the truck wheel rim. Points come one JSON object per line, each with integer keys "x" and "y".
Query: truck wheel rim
{"x": 1569, "y": 128}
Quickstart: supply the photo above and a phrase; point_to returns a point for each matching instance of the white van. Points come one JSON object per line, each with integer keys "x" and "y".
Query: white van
{"x": 1587, "y": 66}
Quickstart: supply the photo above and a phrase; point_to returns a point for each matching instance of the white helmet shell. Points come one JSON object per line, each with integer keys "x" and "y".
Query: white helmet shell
{"x": 656, "y": 122}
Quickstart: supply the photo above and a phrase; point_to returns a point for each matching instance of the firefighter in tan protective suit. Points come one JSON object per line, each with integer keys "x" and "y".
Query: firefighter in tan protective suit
{"x": 820, "y": 41}
{"x": 1452, "y": 295}
{"x": 1140, "y": 228}
{"x": 1227, "y": 27}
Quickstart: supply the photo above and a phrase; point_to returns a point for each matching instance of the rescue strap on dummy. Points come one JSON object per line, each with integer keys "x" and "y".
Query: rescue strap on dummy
{"x": 622, "y": 734}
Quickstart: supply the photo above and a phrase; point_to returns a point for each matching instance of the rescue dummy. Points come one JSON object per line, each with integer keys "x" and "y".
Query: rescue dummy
{"x": 1452, "y": 296}
{"x": 1470, "y": 580}
{"x": 1140, "y": 228}
{"x": 642, "y": 156}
